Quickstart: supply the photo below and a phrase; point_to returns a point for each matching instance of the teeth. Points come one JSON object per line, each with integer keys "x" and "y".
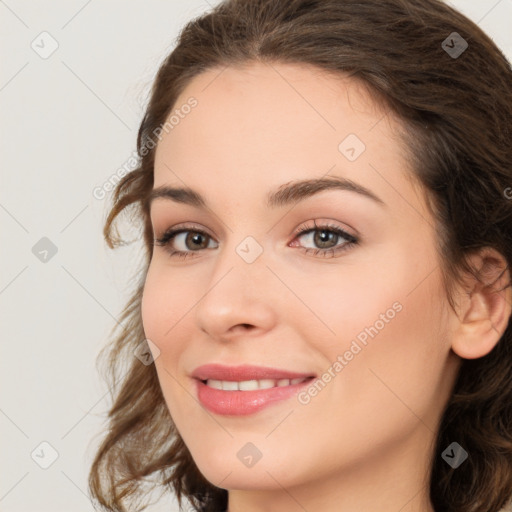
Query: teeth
{"x": 248, "y": 385}
{"x": 266, "y": 383}
{"x": 251, "y": 385}
{"x": 229, "y": 386}
{"x": 216, "y": 384}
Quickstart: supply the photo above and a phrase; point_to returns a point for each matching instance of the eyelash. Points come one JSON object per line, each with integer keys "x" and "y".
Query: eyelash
{"x": 170, "y": 234}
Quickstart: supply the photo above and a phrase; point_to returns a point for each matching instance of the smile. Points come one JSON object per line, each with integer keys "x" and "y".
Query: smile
{"x": 251, "y": 385}
{"x": 240, "y": 398}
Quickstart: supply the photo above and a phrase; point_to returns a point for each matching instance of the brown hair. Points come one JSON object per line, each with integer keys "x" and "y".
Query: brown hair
{"x": 457, "y": 114}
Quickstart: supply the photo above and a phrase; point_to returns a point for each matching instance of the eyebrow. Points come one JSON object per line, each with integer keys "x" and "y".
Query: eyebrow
{"x": 287, "y": 193}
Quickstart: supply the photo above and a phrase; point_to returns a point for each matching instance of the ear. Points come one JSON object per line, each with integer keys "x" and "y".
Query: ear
{"x": 486, "y": 306}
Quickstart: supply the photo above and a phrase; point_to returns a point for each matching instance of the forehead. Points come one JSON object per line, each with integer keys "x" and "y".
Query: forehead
{"x": 263, "y": 125}
{"x": 275, "y": 106}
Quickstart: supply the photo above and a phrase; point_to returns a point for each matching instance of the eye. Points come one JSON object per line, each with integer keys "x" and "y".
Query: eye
{"x": 188, "y": 238}
{"x": 325, "y": 236}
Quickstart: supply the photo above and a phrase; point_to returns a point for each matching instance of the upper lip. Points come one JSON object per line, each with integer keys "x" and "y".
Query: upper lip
{"x": 244, "y": 372}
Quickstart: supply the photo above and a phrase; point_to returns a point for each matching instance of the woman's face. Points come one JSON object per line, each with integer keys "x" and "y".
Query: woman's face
{"x": 368, "y": 319}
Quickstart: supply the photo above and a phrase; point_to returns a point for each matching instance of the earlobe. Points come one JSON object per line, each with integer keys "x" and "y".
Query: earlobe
{"x": 486, "y": 306}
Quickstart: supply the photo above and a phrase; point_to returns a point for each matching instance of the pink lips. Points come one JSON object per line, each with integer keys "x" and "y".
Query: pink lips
{"x": 244, "y": 372}
{"x": 238, "y": 403}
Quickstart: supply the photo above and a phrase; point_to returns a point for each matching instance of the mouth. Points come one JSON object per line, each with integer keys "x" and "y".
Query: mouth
{"x": 253, "y": 384}
{"x": 246, "y": 389}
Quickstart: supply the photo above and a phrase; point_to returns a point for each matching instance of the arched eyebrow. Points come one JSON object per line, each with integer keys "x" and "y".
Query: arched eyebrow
{"x": 286, "y": 194}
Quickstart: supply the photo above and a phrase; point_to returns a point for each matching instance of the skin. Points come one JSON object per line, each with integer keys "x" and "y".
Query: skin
{"x": 372, "y": 426}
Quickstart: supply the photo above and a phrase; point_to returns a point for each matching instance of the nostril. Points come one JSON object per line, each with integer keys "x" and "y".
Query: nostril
{"x": 244, "y": 327}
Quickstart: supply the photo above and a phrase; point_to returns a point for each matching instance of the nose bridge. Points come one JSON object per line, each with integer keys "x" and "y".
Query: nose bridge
{"x": 238, "y": 291}
{"x": 242, "y": 263}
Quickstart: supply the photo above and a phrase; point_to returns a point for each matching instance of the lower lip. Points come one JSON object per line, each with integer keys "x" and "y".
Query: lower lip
{"x": 239, "y": 403}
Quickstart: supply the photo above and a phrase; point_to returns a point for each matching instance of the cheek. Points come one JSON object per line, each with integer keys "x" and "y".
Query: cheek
{"x": 161, "y": 309}
{"x": 151, "y": 306}
{"x": 164, "y": 301}
{"x": 388, "y": 331}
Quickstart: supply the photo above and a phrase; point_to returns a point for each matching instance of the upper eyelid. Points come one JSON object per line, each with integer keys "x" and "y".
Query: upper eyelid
{"x": 299, "y": 231}
{"x": 317, "y": 224}
{"x": 157, "y": 213}
{"x": 185, "y": 227}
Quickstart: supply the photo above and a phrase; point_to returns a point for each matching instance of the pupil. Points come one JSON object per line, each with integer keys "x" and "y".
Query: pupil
{"x": 196, "y": 238}
{"x": 324, "y": 237}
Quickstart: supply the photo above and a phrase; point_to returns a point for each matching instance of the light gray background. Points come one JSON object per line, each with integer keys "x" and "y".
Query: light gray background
{"x": 69, "y": 122}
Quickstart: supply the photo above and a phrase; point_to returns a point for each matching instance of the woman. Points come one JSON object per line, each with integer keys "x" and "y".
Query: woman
{"x": 324, "y": 189}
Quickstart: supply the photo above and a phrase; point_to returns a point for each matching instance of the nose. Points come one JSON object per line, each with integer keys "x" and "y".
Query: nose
{"x": 240, "y": 298}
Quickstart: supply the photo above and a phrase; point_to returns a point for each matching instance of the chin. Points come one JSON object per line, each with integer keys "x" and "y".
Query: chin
{"x": 235, "y": 476}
